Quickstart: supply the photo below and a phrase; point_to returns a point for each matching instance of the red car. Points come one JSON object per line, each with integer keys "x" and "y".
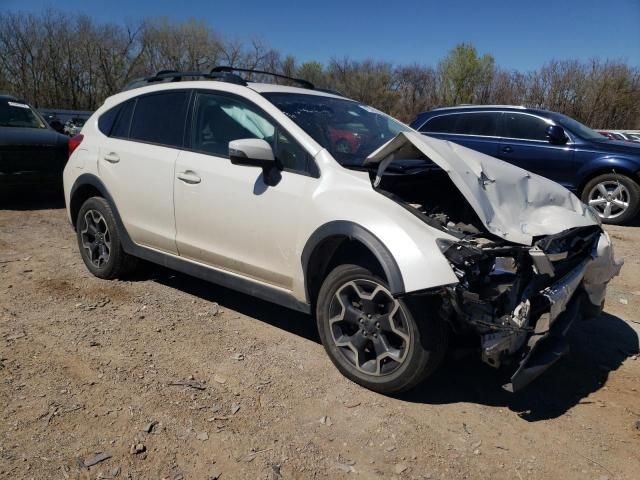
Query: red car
{"x": 345, "y": 141}
{"x": 609, "y": 135}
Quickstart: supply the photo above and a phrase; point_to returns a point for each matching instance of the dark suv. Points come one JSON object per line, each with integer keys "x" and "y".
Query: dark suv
{"x": 604, "y": 173}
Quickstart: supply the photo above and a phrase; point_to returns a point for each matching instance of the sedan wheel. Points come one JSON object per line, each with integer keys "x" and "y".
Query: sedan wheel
{"x": 610, "y": 199}
{"x": 615, "y": 197}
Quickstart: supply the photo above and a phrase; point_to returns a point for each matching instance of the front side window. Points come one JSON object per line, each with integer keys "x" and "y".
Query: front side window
{"x": 525, "y": 127}
{"x": 160, "y": 118}
{"x": 220, "y": 119}
{"x": 18, "y": 114}
{"x": 350, "y": 131}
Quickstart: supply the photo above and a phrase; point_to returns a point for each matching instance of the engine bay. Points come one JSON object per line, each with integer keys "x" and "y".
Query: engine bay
{"x": 501, "y": 292}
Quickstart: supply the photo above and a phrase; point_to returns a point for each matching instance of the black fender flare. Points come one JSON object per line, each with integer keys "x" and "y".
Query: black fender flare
{"x": 92, "y": 180}
{"x": 353, "y": 231}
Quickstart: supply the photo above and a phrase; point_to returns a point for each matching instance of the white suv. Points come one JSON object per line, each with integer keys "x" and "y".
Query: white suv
{"x": 394, "y": 241}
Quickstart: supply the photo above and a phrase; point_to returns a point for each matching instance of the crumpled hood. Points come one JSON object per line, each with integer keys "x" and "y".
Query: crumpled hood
{"x": 512, "y": 203}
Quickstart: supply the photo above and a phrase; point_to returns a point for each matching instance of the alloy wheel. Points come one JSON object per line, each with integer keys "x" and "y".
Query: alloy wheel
{"x": 609, "y": 198}
{"x": 369, "y": 327}
{"x": 96, "y": 239}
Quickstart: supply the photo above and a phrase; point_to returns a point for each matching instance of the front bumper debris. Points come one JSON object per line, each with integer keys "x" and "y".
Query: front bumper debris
{"x": 547, "y": 343}
{"x": 570, "y": 298}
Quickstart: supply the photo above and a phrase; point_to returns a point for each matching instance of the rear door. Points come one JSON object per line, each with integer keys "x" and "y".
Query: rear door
{"x": 475, "y": 130}
{"x": 137, "y": 164}
{"x": 524, "y": 143}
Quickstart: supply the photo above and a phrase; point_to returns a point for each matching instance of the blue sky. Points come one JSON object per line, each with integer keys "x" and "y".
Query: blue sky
{"x": 520, "y": 34}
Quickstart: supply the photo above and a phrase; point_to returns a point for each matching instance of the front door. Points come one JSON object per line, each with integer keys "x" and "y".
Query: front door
{"x": 524, "y": 143}
{"x": 226, "y": 215}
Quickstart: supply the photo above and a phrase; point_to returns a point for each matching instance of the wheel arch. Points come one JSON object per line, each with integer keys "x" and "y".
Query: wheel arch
{"x": 86, "y": 186}
{"x": 328, "y": 242}
{"x": 625, "y": 169}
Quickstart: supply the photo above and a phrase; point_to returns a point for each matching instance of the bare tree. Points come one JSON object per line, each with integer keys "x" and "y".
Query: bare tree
{"x": 66, "y": 61}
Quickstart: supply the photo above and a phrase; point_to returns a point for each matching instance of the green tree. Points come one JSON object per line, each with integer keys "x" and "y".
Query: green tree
{"x": 465, "y": 77}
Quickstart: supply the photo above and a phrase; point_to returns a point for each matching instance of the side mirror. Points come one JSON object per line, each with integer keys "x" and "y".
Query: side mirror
{"x": 255, "y": 152}
{"x": 555, "y": 135}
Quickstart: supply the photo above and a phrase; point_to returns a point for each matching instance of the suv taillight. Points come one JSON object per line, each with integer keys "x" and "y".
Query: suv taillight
{"x": 74, "y": 142}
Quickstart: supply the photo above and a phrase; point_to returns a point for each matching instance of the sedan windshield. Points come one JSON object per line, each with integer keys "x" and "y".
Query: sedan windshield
{"x": 18, "y": 114}
{"x": 350, "y": 131}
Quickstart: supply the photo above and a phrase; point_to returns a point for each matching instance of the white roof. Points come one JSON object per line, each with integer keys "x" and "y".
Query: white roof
{"x": 270, "y": 87}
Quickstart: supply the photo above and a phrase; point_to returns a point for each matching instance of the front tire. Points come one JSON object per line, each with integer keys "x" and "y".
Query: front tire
{"x": 374, "y": 338}
{"x": 99, "y": 241}
{"x": 615, "y": 197}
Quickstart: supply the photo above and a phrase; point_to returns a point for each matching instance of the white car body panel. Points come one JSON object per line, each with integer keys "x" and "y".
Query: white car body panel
{"x": 265, "y": 229}
{"x": 233, "y": 221}
{"x": 142, "y": 181}
{"x": 411, "y": 242}
{"x": 511, "y": 202}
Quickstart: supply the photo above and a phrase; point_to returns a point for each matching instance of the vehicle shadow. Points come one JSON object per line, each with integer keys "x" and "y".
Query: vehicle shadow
{"x": 31, "y": 199}
{"x": 597, "y": 347}
{"x": 294, "y": 322}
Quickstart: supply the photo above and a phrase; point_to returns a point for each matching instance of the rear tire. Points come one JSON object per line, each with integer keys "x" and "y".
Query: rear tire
{"x": 377, "y": 342}
{"x": 99, "y": 241}
{"x": 615, "y": 197}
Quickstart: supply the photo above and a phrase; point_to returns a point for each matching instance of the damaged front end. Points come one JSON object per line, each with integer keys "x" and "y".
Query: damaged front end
{"x": 529, "y": 257}
{"x": 522, "y": 300}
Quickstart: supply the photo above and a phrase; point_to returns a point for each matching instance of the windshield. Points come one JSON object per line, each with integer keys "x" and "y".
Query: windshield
{"x": 350, "y": 131}
{"x": 579, "y": 129}
{"x": 18, "y": 114}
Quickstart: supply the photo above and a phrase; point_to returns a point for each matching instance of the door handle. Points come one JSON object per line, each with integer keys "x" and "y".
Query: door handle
{"x": 507, "y": 149}
{"x": 189, "y": 176}
{"x": 111, "y": 157}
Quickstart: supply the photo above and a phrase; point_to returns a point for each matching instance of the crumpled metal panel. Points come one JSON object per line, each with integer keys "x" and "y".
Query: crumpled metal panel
{"x": 511, "y": 202}
{"x": 601, "y": 270}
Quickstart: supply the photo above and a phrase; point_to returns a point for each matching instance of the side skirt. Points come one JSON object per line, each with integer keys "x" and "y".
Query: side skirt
{"x": 219, "y": 277}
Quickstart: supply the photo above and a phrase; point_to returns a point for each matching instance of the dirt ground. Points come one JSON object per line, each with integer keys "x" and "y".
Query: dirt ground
{"x": 177, "y": 378}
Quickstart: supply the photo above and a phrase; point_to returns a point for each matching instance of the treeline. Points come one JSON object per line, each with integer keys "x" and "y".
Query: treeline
{"x": 64, "y": 61}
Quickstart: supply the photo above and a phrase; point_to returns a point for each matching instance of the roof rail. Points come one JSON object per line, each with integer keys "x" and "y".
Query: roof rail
{"x": 229, "y": 70}
{"x": 175, "y": 76}
{"x": 469, "y": 105}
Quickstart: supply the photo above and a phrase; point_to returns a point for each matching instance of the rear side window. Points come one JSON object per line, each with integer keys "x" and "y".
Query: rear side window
{"x": 107, "y": 119}
{"x": 440, "y": 124}
{"x": 120, "y": 128}
{"x": 481, "y": 123}
{"x": 472, "y": 123}
{"x": 526, "y": 127}
{"x": 160, "y": 118}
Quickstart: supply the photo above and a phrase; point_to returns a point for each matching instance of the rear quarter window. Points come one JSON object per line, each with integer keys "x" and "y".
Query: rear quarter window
{"x": 107, "y": 119}
{"x": 440, "y": 124}
{"x": 121, "y": 126}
